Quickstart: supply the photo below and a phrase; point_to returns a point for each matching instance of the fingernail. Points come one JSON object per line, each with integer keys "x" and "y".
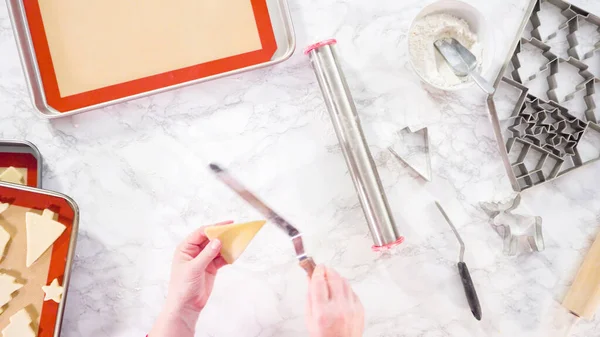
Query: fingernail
{"x": 215, "y": 244}
{"x": 319, "y": 270}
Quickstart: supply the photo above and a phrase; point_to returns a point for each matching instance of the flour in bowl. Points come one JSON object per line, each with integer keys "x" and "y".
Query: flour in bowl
{"x": 426, "y": 60}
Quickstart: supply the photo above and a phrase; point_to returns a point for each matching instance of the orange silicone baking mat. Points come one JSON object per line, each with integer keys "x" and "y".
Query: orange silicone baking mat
{"x": 31, "y": 201}
{"x": 22, "y": 161}
{"x": 95, "y": 51}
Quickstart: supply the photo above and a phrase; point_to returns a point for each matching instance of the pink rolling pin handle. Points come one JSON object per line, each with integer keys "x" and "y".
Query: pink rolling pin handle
{"x": 308, "y": 265}
{"x": 388, "y": 246}
{"x": 314, "y": 46}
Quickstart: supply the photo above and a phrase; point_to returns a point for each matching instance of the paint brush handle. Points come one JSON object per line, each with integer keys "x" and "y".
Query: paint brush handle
{"x": 308, "y": 265}
{"x": 470, "y": 292}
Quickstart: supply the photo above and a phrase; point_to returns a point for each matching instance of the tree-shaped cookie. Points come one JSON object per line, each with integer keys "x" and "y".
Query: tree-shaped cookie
{"x": 8, "y": 286}
{"x": 42, "y": 231}
{"x": 12, "y": 175}
{"x": 20, "y": 326}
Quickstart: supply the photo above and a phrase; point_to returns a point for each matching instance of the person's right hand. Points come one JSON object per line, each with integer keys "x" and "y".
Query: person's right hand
{"x": 333, "y": 309}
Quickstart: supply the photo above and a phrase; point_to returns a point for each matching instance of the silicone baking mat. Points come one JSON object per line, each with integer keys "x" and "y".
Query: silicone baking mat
{"x": 94, "y": 51}
{"x": 24, "y": 162}
{"x": 52, "y": 264}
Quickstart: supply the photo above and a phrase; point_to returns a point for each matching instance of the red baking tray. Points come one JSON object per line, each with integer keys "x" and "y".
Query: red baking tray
{"x": 21, "y": 160}
{"x": 148, "y": 84}
{"x": 22, "y": 154}
{"x": 62, "y": 250}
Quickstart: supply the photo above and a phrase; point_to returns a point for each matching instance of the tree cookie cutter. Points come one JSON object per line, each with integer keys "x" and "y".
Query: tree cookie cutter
{"x": 503, "y": 220}
{"x": 543, "y": 136}
{"x": 427, "y": 175}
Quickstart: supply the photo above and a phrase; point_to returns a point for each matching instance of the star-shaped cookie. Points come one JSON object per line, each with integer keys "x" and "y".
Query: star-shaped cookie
{"x": 53, "y": 292}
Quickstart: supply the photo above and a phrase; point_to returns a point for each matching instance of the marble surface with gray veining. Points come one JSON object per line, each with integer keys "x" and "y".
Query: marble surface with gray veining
{"x": 138, "y": 172}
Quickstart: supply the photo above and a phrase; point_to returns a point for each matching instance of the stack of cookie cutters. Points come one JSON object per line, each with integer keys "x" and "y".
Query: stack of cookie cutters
{"x": 543, "y": 135}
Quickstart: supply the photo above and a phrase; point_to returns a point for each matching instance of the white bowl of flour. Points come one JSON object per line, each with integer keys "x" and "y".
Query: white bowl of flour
{"x": 441, "y": 19}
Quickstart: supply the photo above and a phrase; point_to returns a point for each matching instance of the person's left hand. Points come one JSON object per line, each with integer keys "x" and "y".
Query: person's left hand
{"x": 193, "y": 273}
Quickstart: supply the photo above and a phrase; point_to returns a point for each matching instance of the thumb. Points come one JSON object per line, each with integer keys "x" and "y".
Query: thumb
{"x": 207, "y": 255}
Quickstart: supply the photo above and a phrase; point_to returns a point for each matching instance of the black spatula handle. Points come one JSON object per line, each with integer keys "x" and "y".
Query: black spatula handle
{"x": 470, "y": 292}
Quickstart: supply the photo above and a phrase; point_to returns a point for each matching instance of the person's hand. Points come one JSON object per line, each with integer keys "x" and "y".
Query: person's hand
{"x": 193, "y": 271}
{"x": 194, "y": 268}
{"x": 333, "y": 309}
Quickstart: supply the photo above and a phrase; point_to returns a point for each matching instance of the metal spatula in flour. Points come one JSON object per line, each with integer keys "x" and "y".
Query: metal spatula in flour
{"x": 462, "y": 61}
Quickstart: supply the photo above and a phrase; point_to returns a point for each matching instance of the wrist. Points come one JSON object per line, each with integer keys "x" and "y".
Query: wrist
{"x": 173, "y": 321}
{"x": 182, "y": 309}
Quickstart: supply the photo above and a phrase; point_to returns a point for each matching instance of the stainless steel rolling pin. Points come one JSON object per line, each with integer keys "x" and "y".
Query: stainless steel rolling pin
{"x": 352, "y": 140}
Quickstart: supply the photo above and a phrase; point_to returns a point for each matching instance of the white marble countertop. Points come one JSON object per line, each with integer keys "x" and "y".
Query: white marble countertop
{"x": 137, "y": 171}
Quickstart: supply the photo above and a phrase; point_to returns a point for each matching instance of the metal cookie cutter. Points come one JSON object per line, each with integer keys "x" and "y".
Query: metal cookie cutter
{"x": 503, "y": 220}
{"x": 545, "y": 138}
{"x": 425, "y": 175}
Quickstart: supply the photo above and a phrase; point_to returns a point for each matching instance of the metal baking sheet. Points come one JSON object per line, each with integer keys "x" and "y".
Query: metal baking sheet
{"x": 551, "y": 77}
{"x": 22, "y": 155}
{"x": 280, "y": 20}
{"x": 55, "y": 263}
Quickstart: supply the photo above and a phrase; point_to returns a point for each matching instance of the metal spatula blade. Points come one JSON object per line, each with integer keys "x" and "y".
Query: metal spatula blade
{"x": 306, "y": 262}
{"x": 451, "y": 55}
{"x": 465, "y": 54}
{"x": 462, "y": 61}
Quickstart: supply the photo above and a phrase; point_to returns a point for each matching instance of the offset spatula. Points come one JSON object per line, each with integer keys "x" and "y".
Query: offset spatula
{"x": 463, "y": 271}
{"x": 306, "y": 262}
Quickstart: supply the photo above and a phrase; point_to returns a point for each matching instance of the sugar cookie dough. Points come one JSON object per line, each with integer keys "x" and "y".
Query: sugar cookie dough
{"x": 20, "y": 325}
{"x": 53, "y": 292}
{"x": 42, "y": 231}
{"x": 4, "y": 207}
{"x": 8, "y": 286}
{"x": 12, "y": 175}
{"x": 4, "y": 238}
{"x": 234, "y": 238}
